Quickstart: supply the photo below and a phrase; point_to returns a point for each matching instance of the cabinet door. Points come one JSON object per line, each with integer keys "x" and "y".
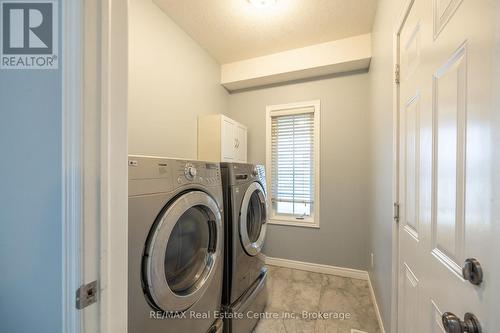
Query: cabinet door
{"x": 228, "y": 140}
{"x": 241, "y": 144}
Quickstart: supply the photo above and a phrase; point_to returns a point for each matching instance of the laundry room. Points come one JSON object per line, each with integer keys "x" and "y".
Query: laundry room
{"x": 179, "y": 109}
{"x": 249, "y": 166}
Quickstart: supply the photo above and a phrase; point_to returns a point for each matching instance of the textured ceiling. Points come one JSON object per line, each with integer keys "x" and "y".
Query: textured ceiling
{"x": 232, "y": 30}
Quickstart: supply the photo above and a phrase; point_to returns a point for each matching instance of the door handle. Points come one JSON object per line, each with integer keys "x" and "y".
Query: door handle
{"x": 472, "y": 271}
{"x": 453, "y": 324}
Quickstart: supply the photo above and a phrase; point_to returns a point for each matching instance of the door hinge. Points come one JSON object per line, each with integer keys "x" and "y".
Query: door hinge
{"x": 397, "y": 74}
{"x": 396, "y": 212}
{"x": 86, "y": 295}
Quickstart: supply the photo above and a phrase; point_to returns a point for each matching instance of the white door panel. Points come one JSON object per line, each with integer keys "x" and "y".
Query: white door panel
{"x": 436, "y": 319}
{"x": 228, "y": 140}
{"x": 412, "y": 150}
{"x": 242, "y": 143}
{"x": 449, "y": 88}
{"x": 410, "y": 301}
{"x": 446, "y": 108}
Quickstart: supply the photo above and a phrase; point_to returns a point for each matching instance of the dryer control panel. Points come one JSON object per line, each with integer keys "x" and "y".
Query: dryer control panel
{"x": 243, "y": 173}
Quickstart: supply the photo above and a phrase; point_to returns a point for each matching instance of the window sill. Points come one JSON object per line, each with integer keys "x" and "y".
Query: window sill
{"x": 294, "y": 223}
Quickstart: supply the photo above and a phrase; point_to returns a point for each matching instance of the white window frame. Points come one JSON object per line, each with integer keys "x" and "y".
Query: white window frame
{"x": 290, "y": 109}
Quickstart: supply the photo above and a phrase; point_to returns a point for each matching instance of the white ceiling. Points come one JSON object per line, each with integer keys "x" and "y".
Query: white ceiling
{"x": 232, "y": 30}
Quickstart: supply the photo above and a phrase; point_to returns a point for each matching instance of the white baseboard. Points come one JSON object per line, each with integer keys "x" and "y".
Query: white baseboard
{"x": 331, "y": 270}
{"x": 375, "y": 303}
{"x": 317, "y": 268}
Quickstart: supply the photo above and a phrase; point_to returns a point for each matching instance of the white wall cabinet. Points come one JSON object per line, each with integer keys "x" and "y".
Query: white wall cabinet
{"x": 221, "y": 139}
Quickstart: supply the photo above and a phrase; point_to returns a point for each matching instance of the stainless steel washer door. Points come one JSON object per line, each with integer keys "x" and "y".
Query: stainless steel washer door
{"x": 253, "y": 219}
{"x": 183, "y": 249}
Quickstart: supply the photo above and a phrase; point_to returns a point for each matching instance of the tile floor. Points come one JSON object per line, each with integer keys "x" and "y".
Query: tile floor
{"x": 293, "y": 291}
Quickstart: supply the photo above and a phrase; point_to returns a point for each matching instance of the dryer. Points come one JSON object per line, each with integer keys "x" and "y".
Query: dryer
{"x": 245, "y": 274}
{"x": 175, "y": 246}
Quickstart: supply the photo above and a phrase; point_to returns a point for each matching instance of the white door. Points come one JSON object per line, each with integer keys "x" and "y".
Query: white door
{"x": 241, "y": 143}
{"x": 228, "y": 140}
{"x": 445, "y": 164}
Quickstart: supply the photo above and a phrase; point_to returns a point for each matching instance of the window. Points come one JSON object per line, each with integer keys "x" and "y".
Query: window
{"x": 293, "y": 163}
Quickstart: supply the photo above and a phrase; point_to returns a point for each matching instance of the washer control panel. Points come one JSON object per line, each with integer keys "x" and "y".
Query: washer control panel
{"x": 149, "y": 174}
{"x": 203, "y": 173}
{"x": 190, "y": 171}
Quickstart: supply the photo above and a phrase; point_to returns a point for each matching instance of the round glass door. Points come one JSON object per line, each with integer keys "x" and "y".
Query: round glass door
{"x": 188, "y": 250}
{"x": 182, "y": 251}
{"x": 253, "y": 219}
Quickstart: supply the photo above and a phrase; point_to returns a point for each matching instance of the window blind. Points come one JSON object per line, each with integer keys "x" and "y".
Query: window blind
{"x": 292, "y": 158}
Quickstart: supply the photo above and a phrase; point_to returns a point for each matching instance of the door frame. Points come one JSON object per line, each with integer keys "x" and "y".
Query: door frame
{"x": 109, "y": 63}
{"x": 400, "y": 21}
{"x": 113, "y": 236}
{"x": 114, "y": 174}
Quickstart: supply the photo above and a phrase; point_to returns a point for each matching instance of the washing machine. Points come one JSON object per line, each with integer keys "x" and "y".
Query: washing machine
{"x": 245, "y": 274}
{"x": 175, "y": 246}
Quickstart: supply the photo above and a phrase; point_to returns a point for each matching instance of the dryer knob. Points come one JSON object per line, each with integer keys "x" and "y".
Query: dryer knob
{"x": 255, "y": 172}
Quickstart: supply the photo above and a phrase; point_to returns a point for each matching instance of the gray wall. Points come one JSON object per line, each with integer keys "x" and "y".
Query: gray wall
{"x": 381, "y": 170}
{"x": 341, "y": 240}
{"x": 30, "y": 201}
{"x": 171, "y": 81}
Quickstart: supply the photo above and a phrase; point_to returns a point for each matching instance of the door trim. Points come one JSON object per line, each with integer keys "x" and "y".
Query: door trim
{"x": 108, "y": 34}
{"x": 400, "y": 21}
{"x": 72, "y": 172}
{"x": 112, "y": 68}
{"x": 109, "y": 18}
